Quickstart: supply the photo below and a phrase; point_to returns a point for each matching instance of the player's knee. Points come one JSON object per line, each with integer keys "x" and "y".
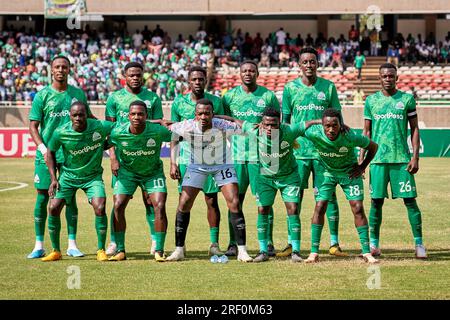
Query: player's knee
{"x": 233, "y": 204}
{"x": 377, "y": 203}
{"x": 119, "y": 204}
{"x": 99, "y": 208}
{"x": 321, "y": 207}
{"x": 357, "y": 207}
{"x": 54, "y": 208}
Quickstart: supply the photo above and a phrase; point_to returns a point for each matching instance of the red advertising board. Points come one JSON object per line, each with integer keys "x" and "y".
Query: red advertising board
{"x": 16, "y": 143}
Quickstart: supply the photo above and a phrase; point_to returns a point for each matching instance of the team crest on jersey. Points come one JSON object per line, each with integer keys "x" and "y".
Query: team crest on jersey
{"x": 261, "y": 103}
{"x": 151, "y": 143}
{"x": 51, "y": 104}
{"x": 284, "y": 144}
{"x": 124, "y": 143}
{"x": 36, "y": 179}
{"x": 343, "y": 149}
{"x": 147, "y": 103}
{"x": 74, "y": 100}
{"x": 321, "y": 96}
{"x": 96, "y": 136}
{"x": 400, "y": 106}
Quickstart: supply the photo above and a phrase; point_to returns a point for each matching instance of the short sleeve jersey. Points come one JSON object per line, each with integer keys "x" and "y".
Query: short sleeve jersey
{"x": 208, "y": 148}
{"x": 183, "y": 108}
{"x": 83, "y": 151}
{"x": 275, "y": 153}
{"x": 52, "y": 109}
{"x": 139, "y": 154}
{"x": 338, "y": 156}
{"x": 247, "y": 106}
{"x": 389, "y": 116}
{"x": 118, "y": 104}
{"x": 305, "y": 103}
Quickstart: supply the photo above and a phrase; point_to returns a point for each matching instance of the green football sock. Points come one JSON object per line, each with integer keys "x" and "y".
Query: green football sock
{"x": 316, "y": 233}
{"x": 289, "y": 230}
{"x": 214, "y": 234}
{"x": 54, "y": 229}
{"x": 270, "y": 227}
{"x": 40, "y": 215}
{"x": 231, "y": 230}
{"x": 261, "y": 227}
{"x": 375, "y": 219}
{"x": 333, "y": 220}
{"x": 111, "y": 224}
{"x": 101, "y": 227}
{"x": 160, "y": 238}
{"x": 363, "y": 233}
{"x": 295, "y": 231}
{"x": 415, "y": 220}
{"x": 150, "y": 216}
{"x": 120, "y": 241}
{"x": 72, "y": 218}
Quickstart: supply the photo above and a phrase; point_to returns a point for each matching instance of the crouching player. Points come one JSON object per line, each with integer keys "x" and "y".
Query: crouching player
{"x": 337, "y": 153}
{"x": 82, "y": 141}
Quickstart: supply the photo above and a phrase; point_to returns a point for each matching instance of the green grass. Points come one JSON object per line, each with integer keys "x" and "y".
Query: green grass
{"x": 140, "y": 277}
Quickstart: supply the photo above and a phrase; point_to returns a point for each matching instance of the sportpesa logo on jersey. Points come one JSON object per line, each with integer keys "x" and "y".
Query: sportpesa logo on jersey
{"x": 85, "y": 149}
{"x": 331, "y": 154}
{"x": 138, "y": 153}
{"x": 388, "y": 115}
{"x": 63, "y": 113}
{"x": 123, "y": 114}
{"x": 310, "y": 106}
{"x": 248, "y": 113}
{"x": 343, "y": 150}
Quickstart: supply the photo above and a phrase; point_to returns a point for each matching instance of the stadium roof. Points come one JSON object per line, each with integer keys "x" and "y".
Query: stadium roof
{"x": 232, "y": 7}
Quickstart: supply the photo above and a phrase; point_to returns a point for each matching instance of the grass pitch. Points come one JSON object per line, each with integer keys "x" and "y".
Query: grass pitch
{"x": 399, "y": 276}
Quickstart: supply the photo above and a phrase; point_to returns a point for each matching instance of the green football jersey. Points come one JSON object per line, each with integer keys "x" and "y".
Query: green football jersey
{"x": 83, "y": 151}
{"x": 247, "y": 107}
{"x": 338, "y": 156}
{"x": 183, "y": 108}
{"x": 118, "y": 104}
{"x": 304, "y": 103}
{"x": 52, "y": 109}
{"x": 389, "y": 116}
{"x": 275, "y": 154}
{"x": 139, "y": 154}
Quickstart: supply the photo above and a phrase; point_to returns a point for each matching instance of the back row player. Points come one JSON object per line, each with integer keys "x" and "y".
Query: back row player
{"x": 51, "y": 109}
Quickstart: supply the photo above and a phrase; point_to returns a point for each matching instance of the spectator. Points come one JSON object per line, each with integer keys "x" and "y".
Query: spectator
{"x": 392, "y": 55}
{"x": 359, "y": 62}
{"x": 283, "y": 57}
{"x": 281, "y": 38}
{"x": 353, "y": 34}
{"x": 358, "y": 96}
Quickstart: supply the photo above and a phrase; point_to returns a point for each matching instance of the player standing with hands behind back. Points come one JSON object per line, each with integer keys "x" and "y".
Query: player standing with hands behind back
{"x": 386, "y": 117}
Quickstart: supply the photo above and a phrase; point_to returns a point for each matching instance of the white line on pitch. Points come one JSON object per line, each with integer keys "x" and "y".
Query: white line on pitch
{"x": 20, "y": 185}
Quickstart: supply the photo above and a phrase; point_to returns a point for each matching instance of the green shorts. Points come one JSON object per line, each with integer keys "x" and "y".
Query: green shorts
{"x": 353, "y": 188}
{"x": 94, "y": 188}
{"x": 210, "y": 185}
{"x": 42, "y": 178}
{"x": 266, "y": 189}
{"x": 306, "y": 167}
{"x": 127, "y": 184}
{"x": 403, "y": 184}
{"x": 247, "y": 174}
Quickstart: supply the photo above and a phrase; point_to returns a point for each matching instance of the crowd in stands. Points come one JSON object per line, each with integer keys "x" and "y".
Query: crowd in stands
{"x": 98, "y": 58}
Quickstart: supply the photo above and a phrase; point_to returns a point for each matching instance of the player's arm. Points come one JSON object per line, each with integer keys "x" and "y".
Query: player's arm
{"x": 311, "y": 123}
{"x": 112, "y": 152}
{"x": 358, "y": 169}
{"x": 34, "y": 132}
{"x": 367, "y": 131}
{"x": 231, "y": 119}
{"x": 286, "y": 106}
{"x": 413, "y": 165}
{"x": 54, "y": 185}
{"x": 174, "y": 153}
